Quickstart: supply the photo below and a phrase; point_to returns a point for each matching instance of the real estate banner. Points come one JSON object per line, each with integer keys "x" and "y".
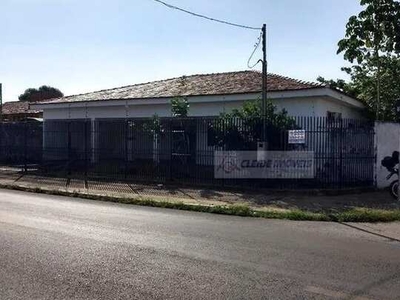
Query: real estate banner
{"x": 268, "y": 164}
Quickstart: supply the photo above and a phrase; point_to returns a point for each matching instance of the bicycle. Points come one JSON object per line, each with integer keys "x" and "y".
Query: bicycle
{"x": 389, "y": 162}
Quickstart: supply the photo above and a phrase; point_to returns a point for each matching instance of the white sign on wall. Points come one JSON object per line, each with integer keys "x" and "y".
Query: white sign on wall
{"x": 297, "y": 136}
{"x": 275, "y": 164}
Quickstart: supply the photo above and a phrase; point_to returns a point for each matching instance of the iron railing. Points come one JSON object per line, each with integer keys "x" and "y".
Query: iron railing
{"x": 181, "y": 150}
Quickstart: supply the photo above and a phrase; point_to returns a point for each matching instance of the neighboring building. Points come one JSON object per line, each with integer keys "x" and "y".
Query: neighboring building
{"x": 208, "y": 95}
{"x": 19, "y": 111}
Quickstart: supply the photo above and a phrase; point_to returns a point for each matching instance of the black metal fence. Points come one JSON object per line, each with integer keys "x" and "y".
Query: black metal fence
{"x": 182, "y": 151}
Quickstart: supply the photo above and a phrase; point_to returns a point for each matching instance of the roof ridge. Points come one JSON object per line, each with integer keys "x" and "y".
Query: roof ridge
{"x": 197, "y": 84}
{"x": 156, "y": 81}
{"x": 186, "y": 77}
{"x": 15, "y": 102}
{"x": 316, "y": 84}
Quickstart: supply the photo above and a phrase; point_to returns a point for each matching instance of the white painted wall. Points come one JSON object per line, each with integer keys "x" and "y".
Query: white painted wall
{"x": 311, "y": 106}
{"x": 304, "y": 106}
{"x": 298, "y": 106}
{"x": 328, "y": 104}
{"x": 386, "y": 141}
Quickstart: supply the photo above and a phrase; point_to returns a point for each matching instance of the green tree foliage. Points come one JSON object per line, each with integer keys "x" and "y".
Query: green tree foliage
{"x": 153, "y": 125}
{"x": 363, "y": 80}
{"x": 375, "y": 31}
{"x": 372, "y": 45}
{"x": 42, "y": 93}
{"x": 252, "y": 111}
{"x": 179, "y": 107}
{"x": 340, "y": 85}
{"x": 242, "y": 128}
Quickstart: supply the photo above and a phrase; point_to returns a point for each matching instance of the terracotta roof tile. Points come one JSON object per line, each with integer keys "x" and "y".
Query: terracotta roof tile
{"x": 194, "y": 85}
{"x": 17, "y": 107}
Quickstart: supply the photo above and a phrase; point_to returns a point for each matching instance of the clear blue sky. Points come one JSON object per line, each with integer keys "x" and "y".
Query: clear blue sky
{"x": 85, "y": 45}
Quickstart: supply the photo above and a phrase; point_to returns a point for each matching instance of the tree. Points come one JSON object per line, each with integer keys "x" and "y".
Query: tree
{"x": 375, "y": 31}
{"x": 42, "y": 93}
{"x": 372, "y": 45}
{"x": 364, "y": 81}
{"x": 340, "y": 85}
{"x": 242, "y": 128}
{"x": 179, "y": 107}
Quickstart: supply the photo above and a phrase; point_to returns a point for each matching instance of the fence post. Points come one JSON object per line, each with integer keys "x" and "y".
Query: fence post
{"x": 126, "y": 149}
{"x": 86, "y": 148}
{"x": 25, "y": 145}
{"x": 171, "y": 145}
{"x": 2, "y": 150}
{"x": 69, "y": 148}
{"x": 341, "y": 155}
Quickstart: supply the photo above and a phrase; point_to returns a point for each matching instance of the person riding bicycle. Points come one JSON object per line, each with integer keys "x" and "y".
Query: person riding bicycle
{"x": 389, "y": 162}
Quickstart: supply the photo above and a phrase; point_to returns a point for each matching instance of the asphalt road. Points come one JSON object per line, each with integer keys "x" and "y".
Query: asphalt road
{"x": 60, "y": 248}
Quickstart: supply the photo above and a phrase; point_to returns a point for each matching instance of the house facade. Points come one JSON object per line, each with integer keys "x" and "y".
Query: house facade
{"x": 208, "y": 95}
{"x": 105, "y": 131}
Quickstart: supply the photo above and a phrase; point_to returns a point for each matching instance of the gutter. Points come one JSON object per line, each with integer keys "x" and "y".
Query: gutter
{"x": 275, "y": 95}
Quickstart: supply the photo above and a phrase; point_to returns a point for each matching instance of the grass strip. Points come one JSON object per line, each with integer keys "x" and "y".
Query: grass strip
{"x": 243, "y": 210}
{"x": 368, "y": 215}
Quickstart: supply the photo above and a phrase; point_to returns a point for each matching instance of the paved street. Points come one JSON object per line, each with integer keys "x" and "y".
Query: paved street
{"x": 60, "y": 248}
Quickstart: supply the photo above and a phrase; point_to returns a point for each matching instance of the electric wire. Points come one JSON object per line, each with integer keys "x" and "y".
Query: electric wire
{"x": 206, "y": 17}
{"x": 256, "y": 46}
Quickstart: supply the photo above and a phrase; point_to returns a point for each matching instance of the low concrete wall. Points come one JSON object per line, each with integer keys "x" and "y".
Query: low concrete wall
{"x": 387, "y": 140}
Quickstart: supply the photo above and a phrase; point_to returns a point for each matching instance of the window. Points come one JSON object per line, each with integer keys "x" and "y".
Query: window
{"x": 333, "y": 117}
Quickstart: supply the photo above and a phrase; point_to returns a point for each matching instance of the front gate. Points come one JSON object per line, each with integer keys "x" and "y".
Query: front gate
{"x": 181, "y": 150}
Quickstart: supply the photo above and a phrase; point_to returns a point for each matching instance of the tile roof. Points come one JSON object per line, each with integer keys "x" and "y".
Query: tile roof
{"x": 194, "y": 85}
{"x": 17, "y": 107}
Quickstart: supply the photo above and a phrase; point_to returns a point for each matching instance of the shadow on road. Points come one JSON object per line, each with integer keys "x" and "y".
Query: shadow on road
{"x": 364, "y": 291}
{"x": 370, "y": 232}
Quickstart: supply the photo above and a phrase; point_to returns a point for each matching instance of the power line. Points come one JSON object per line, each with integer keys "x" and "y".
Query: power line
{"x": 254, "y": 51}
{"x": 205, "y": 17}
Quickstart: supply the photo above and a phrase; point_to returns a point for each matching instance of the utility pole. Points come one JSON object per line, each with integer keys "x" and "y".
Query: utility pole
{"x": 264, "y": 84}
{"x": 1, "y": 103}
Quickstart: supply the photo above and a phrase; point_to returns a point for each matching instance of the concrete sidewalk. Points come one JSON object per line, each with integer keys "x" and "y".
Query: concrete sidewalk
{"x": 204, "y": 196}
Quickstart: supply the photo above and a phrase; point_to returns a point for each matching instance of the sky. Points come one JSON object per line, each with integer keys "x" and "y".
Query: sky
{"x": 86, "y": 45}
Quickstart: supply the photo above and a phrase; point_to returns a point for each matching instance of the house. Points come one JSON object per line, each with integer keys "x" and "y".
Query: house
{"x": 22, "y": 126}
{"x": 208, "y": 95}
{"x": 105, "y": 131}
{"x": 19, "y": 111}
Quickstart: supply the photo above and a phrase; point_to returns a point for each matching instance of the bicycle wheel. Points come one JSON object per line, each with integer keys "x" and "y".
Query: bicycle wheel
{"x": 394, "y": 188}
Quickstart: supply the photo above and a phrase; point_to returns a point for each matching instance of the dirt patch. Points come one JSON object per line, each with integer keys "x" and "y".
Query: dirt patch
{"x": 283, "y": 200}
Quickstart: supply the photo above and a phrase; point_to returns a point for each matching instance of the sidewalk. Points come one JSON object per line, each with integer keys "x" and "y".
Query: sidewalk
{"x": 275, "y": 200}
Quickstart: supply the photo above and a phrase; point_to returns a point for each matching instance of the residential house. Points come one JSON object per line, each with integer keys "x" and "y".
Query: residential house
{"x": 208, "y": 95}
{"x": 19, "y": 111}
{"x": 101, "y": 126}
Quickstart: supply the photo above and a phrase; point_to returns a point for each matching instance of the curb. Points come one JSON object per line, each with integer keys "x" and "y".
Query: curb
{"x": 226, "y": 209}
{"x": 360, "y": 215}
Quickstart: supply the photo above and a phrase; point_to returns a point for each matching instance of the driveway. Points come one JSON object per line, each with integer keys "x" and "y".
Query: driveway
{"x": 61, "y": 248}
